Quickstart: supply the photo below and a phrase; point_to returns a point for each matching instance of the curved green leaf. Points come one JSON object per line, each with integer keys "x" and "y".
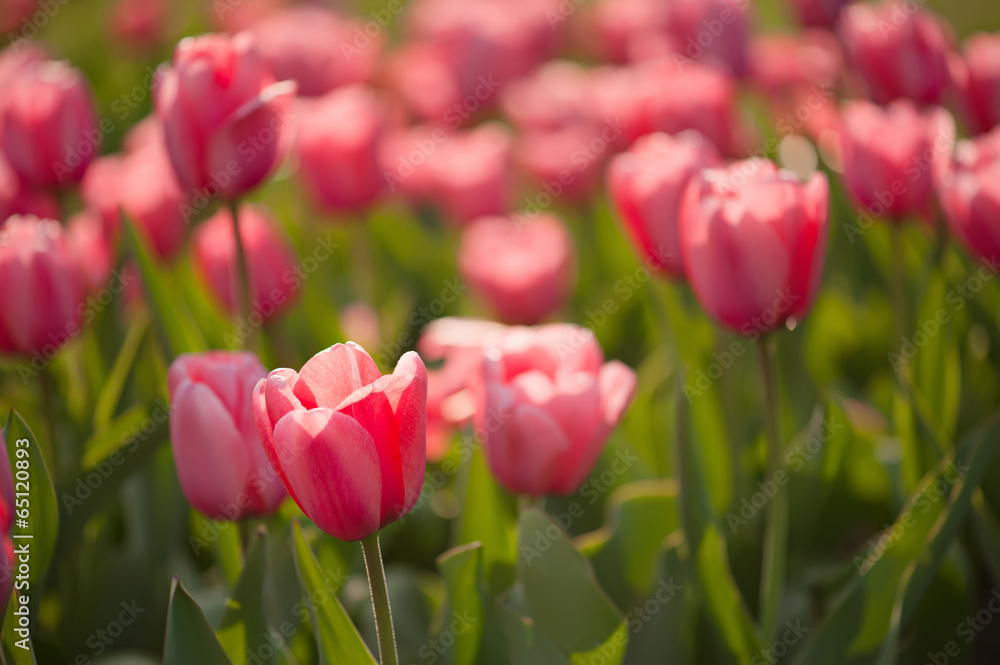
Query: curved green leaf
{"x": 189, "y": 638}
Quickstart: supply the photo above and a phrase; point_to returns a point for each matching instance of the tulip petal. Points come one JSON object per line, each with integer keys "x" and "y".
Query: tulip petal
{"x": 332, "y": 375}
{"x": 531, "y": 448}
{"x": 332, "y": 463}
{"x": 272, "y": 399}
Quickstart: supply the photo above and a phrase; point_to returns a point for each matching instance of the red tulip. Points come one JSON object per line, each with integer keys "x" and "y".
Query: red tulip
{"x": 471, "y": 172}
{"x": 892, "y": 156}
{"x": 221, "y": 466}
{"x": 711, "y": 31}
{"x": 551, "y": 97}
{"x": 977, "y": 77}
{"x": 316, "y": 48}
{"x": 49, "y": 129}
{"x": 818, "y": 13}
{"x": 754, "y": 240}
{"x": 970, "y": 194}
{"x": 16, "y": 15}
{"x": 523, "y": 270}
{"x": 270, "y": 263}
{"x": 899, "y": 50}
{"x": 223, "y": 115}
{"x": 91, "y": 249}
{"x": 338, "y": 148}
{"x": 550, "y": 404}
{"x": 16, "y": 198}
{"x": 647, "y": 184}
{"x": 348, "y": 443}
{"x": 40, "y": 310}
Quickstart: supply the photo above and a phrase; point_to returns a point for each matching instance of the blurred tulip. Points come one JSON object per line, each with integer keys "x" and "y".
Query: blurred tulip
{"x": 977, "y": 77}
{"x": 338, "y": 148}
{"x": 16, "y": 198}
{"x": 404, "y": 155}
{"x": 618, "y": 94}
{"x": 524, "y": 270}
{"x": 101, "y": 189}
{"x": 754, "y": 240}
{"x": 140, "y": 24}
{"x": 48, "y": 126}
{"x": 421, "y": 75}
{"x": 348, "y": 443}
{"x": 619, "y": 24}
{"x": 565, "y": 163}
{"x": 893, "y": 155}
{"x": 898, "y": 49}
{"x": 818, "y": 13}
{"x": 450, "y": 403}
{"x": 359, "y": 320}
{"x": 270, "y": 263}
{"x": 17, "y": 56}
{"x": 781, "y": 62}
{"x": 221, "y": 465}
{"x": 550, "y": 404}
{"x": 91, "y": 249}
{"x": 551, "y": 97}
{"x": 40, "y": 310}
{"x": 471, "y": 172}
{"x": 16, "y": 15}
{"x": 234, "y": 17}
{"x": 970, "y": 195}
{"x": 711, "y": 31}
{"x": 223, "y": 115}
{"x": 647, "y": 184}
{"x": 315, "y": 47}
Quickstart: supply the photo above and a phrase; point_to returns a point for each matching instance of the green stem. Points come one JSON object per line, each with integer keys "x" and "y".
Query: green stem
{"x": 243, "y": 279}
{"x": 380, "y": 601}
{"x": 59, "y": 458}
{"x": 772, "y": 581}
{"x": 897, "y": 276}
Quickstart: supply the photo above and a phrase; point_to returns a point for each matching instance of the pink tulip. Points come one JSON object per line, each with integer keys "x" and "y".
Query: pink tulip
{"x": 92, "y": 251}
{"x": 970, "y": 194}
{"x": 472, "y": 172}
{"x": 550, "y": 404}
{"x": 270, "y": 263}
{"x": 899, "y": 50}
{"x": 421, "y": 74}
{"x": 551, "y": 97}
{"x": 892, "y": 156}
{"x": 404, "y": 155}
{"x": 234, "y": 17}
{"x": 977, "y": 77}
{"x": 524, "y": 270}
{"x": 450, "y": 403}
{"x": 565, "y": 163}
{"x": 359, "y": 320}
{"x": 647, "y": 184}
{"x": 618, "y": 25}
{"x": 782, "y": 62}
{"x": 101, "y": 189}
{"x": 48, "y": 126}
{"x": 754, "y": 240}
{"x": 348, "y": 443}
{"x": 16, "y": 15}
{"x": 619, "y": 95}
{"x": 221, "y": 465}
{"x": 315, "y": 47}
{"x": 17, "y": 198}
{"x": 139, "y": 24}
{"x": 223, "y": 115}
{"x": 40, "y": 310}
{"x": 711, "y": 31}
{"x": 818, "y": 13}
{"x": 338, "y": 147}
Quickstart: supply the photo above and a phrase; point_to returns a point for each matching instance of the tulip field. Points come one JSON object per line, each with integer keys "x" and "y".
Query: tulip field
{"x": 499, "y": 332}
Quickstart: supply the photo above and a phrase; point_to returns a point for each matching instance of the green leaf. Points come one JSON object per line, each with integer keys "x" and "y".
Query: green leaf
{"x": 862, "y": 619}
{"x": 112, "y": 435}
{"x": 173, "y": 321}
{"x": 938, "y": 374}
{"x": 488, "y": 518}
{"x": 338, "y": 640}
{"x": 39, "y": 529}
{"x": 462, "y": 570}
{"x": 562, "y": 594}
{"x": 114, "y": 381}
{"x": 189, "y": 638}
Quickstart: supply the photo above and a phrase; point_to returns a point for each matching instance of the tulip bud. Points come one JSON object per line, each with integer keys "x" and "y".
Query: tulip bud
{"x": 977, "y": 77}
{"x": 338, "y": 147}
{"x": 899, "y": 50}
{"x": 221, "y": 465}
{"x": 754, "y": 240}
{"x": 40, "y": 311}
{"x": 269, "y": 261}
{"x": 348, "y": 443}
{"x": 894, "y": 155}
{"x": 549, "y": 404}
{"x": 647, "y": 184}
{"x": 223, "y": 115}
{"x": 970, "y": 195}
{"x": 49, "y": 129}
{"x": 472, "y": 172}
{"x": 524, "y": 269}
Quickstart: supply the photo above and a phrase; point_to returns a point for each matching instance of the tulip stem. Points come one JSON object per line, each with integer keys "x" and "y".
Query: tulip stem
{"x": 772, "y": 580}
{"x": 380, "y": 601}
{"x": 898, "y": 270}
{"x": 243, "y": 279}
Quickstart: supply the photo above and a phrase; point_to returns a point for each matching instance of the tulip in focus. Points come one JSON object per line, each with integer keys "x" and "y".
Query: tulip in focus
{"x": 524, "y": 269}
{"x": 647, "y": 184}
{"x": 48, "y": 125}
{"x": 977, "y": 77}
{"x": 898, "y": 49}
{"x": 223, "y": 115}
{"x": 348, "y": 443}
{"x": 40, "y": 310}
{"x": 270, "y": 263}
{"x": 970, "y": 195}
{"x": 894, "y": 155}
{"x": 754, "y": 241}
{"x": 221, "y": 465}
{"x": 550, "y": 404}
{"x": 338, "y": 148}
